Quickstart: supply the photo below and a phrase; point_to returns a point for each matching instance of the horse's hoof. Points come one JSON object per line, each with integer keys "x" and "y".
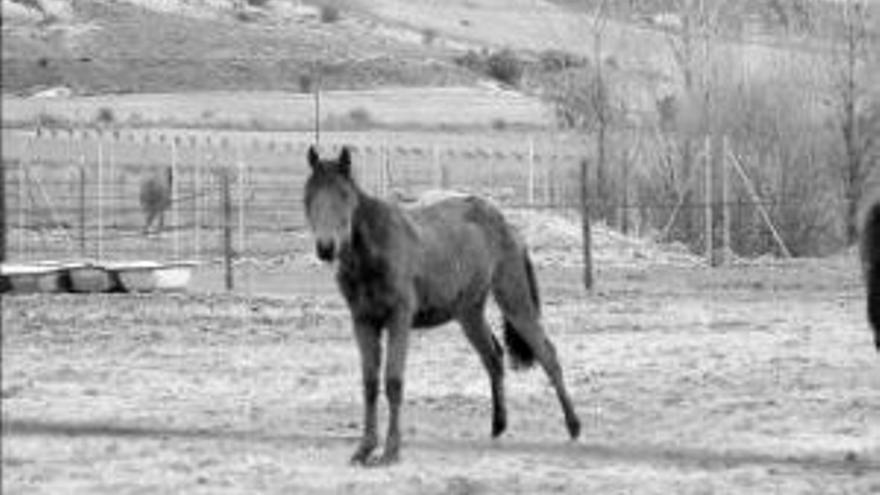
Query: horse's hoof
{"x": 384, "y": 460}
{"x": 362, "y": 456}
{"x": 498, "y": 427}
{"x": 574, "y": 428}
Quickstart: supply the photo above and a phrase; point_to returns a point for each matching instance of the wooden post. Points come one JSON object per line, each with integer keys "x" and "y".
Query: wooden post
{"x": 197, "y": 203}
{"x": 227, "y": 228}
{"x": 175, "y": 210}
{"x": 586, "y": 232}
{"x": 2, "y": 217}
{"x": 242, "y": 227}
{"x": 531, "y": 183}
{"x": 438, "y": 172}
{"x": 548, "y": 180}
{"x": 624, "y": 208}
{"x": 725, "y": 205}
{"x": 22, "y": 184}
{"x": 708, "y": 203}
{"x": 82, "y": 205}
{"x": 100, "y": 178}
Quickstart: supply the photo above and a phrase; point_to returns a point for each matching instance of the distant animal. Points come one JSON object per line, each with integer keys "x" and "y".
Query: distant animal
{"x": 155, "y": 199}
{"x": 421, "y": 267}
{"x": 869, "y": 244}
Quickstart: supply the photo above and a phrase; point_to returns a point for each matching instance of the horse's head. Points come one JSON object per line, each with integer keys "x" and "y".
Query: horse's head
{"x": 331, "y": 199}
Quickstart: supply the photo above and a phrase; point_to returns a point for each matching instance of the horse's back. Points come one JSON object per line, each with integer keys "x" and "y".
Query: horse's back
{"x": 458, "y": 211}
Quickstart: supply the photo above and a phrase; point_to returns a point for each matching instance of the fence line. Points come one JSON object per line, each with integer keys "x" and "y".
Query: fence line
{"x": 88, "y": 179}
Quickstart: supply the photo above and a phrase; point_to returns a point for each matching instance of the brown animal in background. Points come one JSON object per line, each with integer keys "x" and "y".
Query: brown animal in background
{"x": 155, "y": 199}
{"x": 422, "y": 267}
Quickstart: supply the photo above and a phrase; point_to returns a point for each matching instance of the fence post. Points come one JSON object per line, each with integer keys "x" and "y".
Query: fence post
{"x": 2, "y": 215}
{"x": 242, "y": 226}
{"x": 708, "y": 206}
{"x": 82, "y": 205}
{"x": 586, "y": 232}
{"x": 624, "y": 207}
{"x": 197, "y": 203}
{"x": 531, "y": 183}
{"x": 22, "y": 184}
{"x": 438, "y": 172}
{"x": 725, "y": 205}
{"x": 227, "y": 227}
{"x": 175, "y": 197}
{"x": 100, "y": 176}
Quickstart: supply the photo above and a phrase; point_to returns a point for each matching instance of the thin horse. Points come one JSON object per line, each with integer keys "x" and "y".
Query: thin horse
{"x": 400, "y": 269}
{"x": 870, "y": 253}
{"x": 155, "y": 198}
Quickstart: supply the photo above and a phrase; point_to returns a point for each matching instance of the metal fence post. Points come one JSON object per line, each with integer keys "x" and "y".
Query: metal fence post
{"x": 227, "y": 228}
{"x": 82, "y": 206}
{"x": 2, "y": 212}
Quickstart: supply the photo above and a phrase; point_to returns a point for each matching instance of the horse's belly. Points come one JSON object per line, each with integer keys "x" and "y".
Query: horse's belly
{"x": 427, "y": 317}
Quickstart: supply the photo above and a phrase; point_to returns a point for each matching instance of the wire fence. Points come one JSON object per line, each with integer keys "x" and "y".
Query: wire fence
{"x": 74, "y": 194}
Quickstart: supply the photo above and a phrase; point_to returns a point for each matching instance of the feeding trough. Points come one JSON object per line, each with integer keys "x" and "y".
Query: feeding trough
{"x": 30, "y": 278}
{"x": 148, "y": 276}
{"x": 88, "y": 277}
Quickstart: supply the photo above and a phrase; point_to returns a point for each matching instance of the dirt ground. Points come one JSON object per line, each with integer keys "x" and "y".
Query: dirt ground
{"x": 758, "y": 379}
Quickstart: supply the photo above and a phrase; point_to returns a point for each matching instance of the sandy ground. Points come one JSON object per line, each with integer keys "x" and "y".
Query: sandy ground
{"x": 736, "y": 380}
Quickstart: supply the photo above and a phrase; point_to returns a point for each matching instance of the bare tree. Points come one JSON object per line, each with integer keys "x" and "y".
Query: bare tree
{"x": 693, "y": 50}
{"x": 852, "y": 50}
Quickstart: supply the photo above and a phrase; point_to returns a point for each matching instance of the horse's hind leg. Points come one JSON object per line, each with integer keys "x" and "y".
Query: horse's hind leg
{"x": 515, "y": 292}
{"x": 531, "y": 331}
{"x": 478, "y": 333}
{"x": 148, "y": 220}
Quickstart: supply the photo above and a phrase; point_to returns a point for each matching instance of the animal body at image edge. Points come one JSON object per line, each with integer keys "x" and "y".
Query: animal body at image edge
{"x": 421, "y": 267}
{"x": 870, "y": 253}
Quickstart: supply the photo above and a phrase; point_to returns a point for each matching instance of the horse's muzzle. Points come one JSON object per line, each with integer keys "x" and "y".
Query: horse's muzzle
{"x": 326, "y": 250}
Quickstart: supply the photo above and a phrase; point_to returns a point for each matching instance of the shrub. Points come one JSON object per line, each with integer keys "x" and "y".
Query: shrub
{"x": 45, "y": 119}
{"x": 360, "y": 117}
{"x": 329, "y": 14}
{"x": 558, "y": 60}
{"x": 428, "y": 36}
{"x": 472, "y": 61}
{"x": 506, "y": 67}
{"x": 306, "y": 83}
{"x": 105, "y": 116}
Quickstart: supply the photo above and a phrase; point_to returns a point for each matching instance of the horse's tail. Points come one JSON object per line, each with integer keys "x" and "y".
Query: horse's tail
{"x": 870, "y": 250}
{"x": 521, "y": 353}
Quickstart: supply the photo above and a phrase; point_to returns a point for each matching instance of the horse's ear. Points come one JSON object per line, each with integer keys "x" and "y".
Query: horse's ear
{"x": 345, "y": 161}
{"x": 313, "y": 157}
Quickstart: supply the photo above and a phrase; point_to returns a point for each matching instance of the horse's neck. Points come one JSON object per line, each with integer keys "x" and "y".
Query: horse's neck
{"x": 376, "y": 223}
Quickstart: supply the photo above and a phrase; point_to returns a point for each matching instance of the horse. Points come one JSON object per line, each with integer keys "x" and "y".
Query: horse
{"x": 869, "y": 247}
{"x": 156, "y": 198}
{"x": 419, "y": 267}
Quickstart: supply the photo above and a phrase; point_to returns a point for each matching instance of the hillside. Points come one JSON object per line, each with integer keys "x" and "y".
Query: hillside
{"x": 171, "y": 46}
{"x": 105, "y": 47}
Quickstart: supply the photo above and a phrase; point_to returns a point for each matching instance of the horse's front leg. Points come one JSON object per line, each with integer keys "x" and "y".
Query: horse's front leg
{"x": 398, "y": 340}
{"x": 370, "y": 348}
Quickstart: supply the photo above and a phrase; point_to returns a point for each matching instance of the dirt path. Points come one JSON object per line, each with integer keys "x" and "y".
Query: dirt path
{"x": 688, "y": 381}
